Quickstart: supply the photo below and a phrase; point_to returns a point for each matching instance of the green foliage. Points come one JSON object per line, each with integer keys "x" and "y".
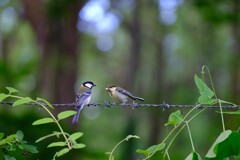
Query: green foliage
{"x": 69, "y": 140}
{"x": 14, "y": 143}
{"x": 152, "y": 150}
{"x": 65, "y": 114}
{"x": 193, "y": 156}
{"x": 57, "y": 144}
{"x": 11, "y": 90}
{"x": 22, "y": 101}
{"x": 212, "y": 12}
{"x": 43, "y": 121}
{"x": 61, "y": 153}
{"x": 175, "y": 118}
{"x": 226, "y": 145}
{"x": 45, "y": 102}
{"x": 3, "y": 96}
{"x": 206, "y": 94}
{"x": 76, "y": 135}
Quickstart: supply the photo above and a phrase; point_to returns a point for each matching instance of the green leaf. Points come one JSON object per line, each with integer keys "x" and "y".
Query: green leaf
{"x": 46, "y": 102}
{"x": 145, "y": 152}
{"x": 30, "y": 148}
{"x": 57, "y": 144}
{"x": 150, "y": 150}
{"x": 175, "y": 118}
{"x": 3, "y": 142}
{"x": 193, "y": 156}
{"x": 8, "y": 139}
{"x": 206, "y": 100}
{"x": 203, "y": 88}
{"x": 79, "y": 146}
{"x": 8, "y": 157}
{"x": 20, "y": 135}
{"x": 65, "y": 114}
{"x": 227, "y": 144}
{"x": 43, "y": 121}
{"x": 22, "y": 101}
{"x": 76, "y": 135}
{"x": 155, "y": 148}
{"x": 205, "y": 92}
{"x": 11, "y": 90}
{"x": 1, "y": 135}
{"x": 63, "y": 151}
{"x": 3, "y": 96}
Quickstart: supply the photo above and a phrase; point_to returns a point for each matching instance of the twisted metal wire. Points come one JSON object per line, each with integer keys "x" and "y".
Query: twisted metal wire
{"x": 133, "y": 105}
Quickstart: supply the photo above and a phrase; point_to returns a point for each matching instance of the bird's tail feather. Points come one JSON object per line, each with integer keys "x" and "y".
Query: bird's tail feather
{"x": 76, "y": 116}
{"x": 139, "y": 98}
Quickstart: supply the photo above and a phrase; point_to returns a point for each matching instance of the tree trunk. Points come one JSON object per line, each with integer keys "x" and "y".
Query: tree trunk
{"x": 235, "y": 67}
{"x": 57, "y": 38}
{"x": 134, "y": 30}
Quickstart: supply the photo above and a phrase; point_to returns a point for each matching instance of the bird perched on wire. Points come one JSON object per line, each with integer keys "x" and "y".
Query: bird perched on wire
{"x": 83, "y": 98}
{"x": 121, "y": 94}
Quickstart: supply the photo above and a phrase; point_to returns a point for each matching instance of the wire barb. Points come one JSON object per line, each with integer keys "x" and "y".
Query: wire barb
{"x": 133, "y": 105}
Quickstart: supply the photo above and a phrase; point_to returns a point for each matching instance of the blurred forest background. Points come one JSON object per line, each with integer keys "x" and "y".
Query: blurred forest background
{"x": 152, "y": 48}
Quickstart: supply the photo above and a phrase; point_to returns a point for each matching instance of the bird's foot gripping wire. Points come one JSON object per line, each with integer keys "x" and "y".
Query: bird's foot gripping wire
{"x": 123, "y": 104}
{"x": 134, "y": 105}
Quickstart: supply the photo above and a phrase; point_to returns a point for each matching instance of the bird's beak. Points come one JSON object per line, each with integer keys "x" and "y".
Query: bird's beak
{"x": 94, "y": 85}
{"x": 107, "y": 89}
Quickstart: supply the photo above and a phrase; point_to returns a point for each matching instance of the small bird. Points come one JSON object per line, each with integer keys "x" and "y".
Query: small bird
{"x": 83, "y": 98}
{"x": 121, "y": 94}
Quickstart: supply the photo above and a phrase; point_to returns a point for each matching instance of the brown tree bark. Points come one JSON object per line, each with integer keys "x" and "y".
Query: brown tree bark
{"x": 55, "y": 26}
{"x": 134, "y": 30}
{"x": 158, "y": 92}
{"x": 133, "y": 27}
{"x": 235, "y": 66}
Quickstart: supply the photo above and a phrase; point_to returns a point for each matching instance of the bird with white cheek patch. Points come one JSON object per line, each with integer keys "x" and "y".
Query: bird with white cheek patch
{"x": 83, "y": 98}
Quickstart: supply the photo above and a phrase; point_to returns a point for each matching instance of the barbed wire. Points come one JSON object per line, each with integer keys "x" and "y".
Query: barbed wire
{"x": 133, "y": 105}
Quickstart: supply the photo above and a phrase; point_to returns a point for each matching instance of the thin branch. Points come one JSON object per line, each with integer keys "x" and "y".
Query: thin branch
{"x": 133, "y": 105}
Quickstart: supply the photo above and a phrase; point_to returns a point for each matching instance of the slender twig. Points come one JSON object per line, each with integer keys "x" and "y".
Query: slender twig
{"x": 190, "y": 136}
{"x": 221, "y": 112}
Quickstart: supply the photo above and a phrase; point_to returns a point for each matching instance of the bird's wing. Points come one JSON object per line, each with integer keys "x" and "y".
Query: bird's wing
{"x": 125, "y": 92}
{"x": 80, "y": 98}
